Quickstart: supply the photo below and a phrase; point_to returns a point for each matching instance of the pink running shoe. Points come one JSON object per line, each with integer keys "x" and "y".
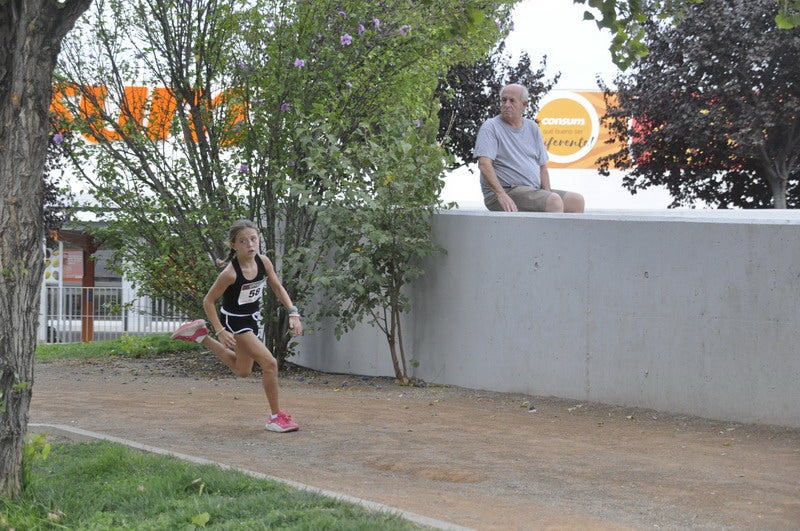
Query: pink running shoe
{"x": 282, "y": 423}
{"x": 194, "y": 331}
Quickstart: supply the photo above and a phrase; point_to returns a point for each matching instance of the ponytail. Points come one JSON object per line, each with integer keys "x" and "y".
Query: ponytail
{"x": 223, "y": 263}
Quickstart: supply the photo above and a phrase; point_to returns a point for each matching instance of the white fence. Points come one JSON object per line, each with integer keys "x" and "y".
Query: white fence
{"x": 72, "y": 314}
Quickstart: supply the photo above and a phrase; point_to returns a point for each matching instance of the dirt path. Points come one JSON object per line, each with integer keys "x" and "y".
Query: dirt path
{"x": 476, "y": 459}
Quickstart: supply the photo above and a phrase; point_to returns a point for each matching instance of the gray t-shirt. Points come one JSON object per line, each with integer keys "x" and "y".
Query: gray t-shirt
{"x": 517, "y": 154}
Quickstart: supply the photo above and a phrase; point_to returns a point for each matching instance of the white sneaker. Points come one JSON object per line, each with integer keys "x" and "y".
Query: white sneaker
{"x": 192, "y": 332}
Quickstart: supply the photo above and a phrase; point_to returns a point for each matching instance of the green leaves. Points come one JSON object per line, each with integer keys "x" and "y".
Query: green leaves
{"x": 787, "y": 20}
{"x": 273, "y": 119}
{"x": 381, "y": 233}
{"x": 626, "y": 18}
{"x": 714, "y": 109}
{"x": 36, "y": 447}
{"x": 788, "y": 16}
{"x": 201, "y": 519}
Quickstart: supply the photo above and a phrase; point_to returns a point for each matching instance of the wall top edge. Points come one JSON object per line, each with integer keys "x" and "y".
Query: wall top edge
{"x": 772, "y": 217}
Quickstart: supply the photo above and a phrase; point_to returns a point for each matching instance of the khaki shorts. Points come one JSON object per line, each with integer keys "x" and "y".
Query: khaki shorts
{"x": 527, "y": 199}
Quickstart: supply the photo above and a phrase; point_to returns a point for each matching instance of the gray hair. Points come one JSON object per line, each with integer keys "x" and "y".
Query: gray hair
{"x": 525, "y": 94}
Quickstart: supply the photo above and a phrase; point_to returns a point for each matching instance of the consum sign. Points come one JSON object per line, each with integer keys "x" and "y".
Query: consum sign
{"x": 571, "y": 129}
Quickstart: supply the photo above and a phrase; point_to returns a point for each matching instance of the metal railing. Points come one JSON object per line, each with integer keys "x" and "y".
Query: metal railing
{"x": 73, "y": 314}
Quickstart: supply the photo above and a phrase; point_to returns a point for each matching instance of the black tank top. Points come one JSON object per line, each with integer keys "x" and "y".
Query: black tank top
{"x": 243, "y": 297}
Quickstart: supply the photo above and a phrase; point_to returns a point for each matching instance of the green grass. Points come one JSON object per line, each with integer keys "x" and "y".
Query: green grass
{"x": 106, "y": 486}
{"x": 128, "y": 346}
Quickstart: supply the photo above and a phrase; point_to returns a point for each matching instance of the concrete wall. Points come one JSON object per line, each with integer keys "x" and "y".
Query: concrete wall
{"x": 689, "y": 312}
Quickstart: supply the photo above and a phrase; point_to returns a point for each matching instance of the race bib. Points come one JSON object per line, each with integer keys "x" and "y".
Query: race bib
{"x": 251, "y": 292}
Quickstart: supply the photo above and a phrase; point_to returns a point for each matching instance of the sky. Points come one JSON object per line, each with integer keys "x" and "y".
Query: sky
{"x": 579, "y": 50}
{"x": 573, "y": 46}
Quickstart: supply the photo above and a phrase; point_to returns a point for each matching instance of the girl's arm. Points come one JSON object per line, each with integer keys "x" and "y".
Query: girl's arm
{"x": 283, "y": 297}
{"x": 226, "y": 277}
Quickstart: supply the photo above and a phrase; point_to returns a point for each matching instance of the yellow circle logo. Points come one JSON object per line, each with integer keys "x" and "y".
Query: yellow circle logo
{"x": 569, "y": 125}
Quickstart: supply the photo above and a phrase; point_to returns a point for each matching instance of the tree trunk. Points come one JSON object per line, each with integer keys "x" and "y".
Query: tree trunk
{"x": 778, "y": 187}
{"x": 30, "y": 36}
{"x": 777, "y": 176}
{"x": 396, "y": 316}
{"x": 392, "y": 336}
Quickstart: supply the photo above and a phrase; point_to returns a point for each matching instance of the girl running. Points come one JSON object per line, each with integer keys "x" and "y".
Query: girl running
{"x": 237, "y": 326}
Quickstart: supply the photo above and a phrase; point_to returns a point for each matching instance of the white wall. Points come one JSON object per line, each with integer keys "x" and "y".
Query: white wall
{"x": 694, "y": 312}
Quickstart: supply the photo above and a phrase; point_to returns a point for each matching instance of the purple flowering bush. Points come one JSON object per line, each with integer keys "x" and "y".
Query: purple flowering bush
{"x": 278, "y": 115}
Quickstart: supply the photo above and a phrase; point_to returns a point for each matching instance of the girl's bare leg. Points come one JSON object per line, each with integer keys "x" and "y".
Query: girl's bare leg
{"x": 241, "y": 366}
{"x": 249, "y": 347}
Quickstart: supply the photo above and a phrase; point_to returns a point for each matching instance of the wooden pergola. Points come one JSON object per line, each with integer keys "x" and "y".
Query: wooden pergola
{"x": 88, "y": 245}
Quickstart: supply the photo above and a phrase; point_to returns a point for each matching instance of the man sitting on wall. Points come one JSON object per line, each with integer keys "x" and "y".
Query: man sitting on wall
{"x": 512, "y": 160}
